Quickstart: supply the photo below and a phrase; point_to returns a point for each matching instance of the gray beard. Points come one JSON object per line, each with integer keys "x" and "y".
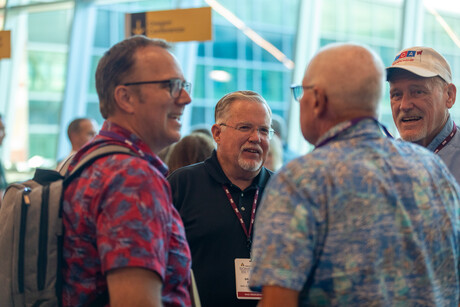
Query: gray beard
{"x": 249, "y": 166}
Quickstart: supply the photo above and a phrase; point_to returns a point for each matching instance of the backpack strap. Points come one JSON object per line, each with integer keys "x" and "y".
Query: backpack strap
{"x": 193, "y": 289}
{"x": 65, "y": 165}
{"x": 90, "y": 158}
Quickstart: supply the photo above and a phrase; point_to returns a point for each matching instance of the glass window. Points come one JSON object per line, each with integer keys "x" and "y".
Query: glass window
{"x": 198, "y": 115}
{"x": 441, "y": 18}
{"x": 222, "y": 88}
{"x": 49, "y": 27}
{"x": 198, "y": 86}
{"x": 361, "y": 14}
{"x": 225, "y": 42}
{"x": 249, "y": 48}
{"x": 269, "y": 13}
{"x": 43, "y": 144}
{"x": 249, "y": 78}
{"x": 101, "y": 39}
{"x": 276, "y": 39}
{"x": 92, "y": 111}
{"x": 47, "y": 71}
{"x": 44, "y": 112}
{"x": 91, "y": 78}
{"x": 387, "y": 20}
{"x": 201, "y": 49}
{"x": 290, "y": 12}
{"x": 387, "y": 54}
{"x": 272, "y": 85}
{"x": 329, "y": 16}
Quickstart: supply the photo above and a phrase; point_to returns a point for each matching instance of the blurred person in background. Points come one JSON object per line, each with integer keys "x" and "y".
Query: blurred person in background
{"x": 80, "y": 131}
{"x": 275, "y": 154}
{"x": 193, "y": 148}
{"x": 279, "y": 125}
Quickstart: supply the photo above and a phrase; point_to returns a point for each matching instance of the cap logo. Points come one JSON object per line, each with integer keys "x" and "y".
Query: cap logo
{"x": 407, "y": 54}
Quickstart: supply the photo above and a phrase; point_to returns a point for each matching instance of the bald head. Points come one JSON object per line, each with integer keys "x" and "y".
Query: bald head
{"x": 352, "y": 77}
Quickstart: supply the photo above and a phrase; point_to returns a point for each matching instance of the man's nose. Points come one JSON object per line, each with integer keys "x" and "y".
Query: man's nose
{"x": 184, "y": 97}
{"x": 406, "y": 102}
{"x": 255, "y": 135}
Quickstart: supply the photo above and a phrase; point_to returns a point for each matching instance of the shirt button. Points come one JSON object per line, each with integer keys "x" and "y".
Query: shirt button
{"x": 242, "y": 194}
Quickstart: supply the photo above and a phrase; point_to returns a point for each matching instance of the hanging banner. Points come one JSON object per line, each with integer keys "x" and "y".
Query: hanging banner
{"x": 179, "y": 25}
{"x": 5, "y": 44}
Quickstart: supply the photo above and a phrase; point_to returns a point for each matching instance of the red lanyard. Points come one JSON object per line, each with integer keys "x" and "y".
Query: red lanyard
{"x": 446, "y": 140}
{"x": 238, "y": 214}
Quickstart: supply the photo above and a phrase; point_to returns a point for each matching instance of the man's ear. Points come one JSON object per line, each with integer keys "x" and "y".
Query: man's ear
{"x": 321, "y": 102}
{"x": 216, "y": 130}
{"x": 451, "y": 95}
{"x": 124, "y": 99}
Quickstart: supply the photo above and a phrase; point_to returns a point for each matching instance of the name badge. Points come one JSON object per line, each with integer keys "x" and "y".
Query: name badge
{"x": 243, "y": 267}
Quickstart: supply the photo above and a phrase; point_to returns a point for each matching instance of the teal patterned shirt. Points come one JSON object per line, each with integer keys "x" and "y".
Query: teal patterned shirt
{"x": 375, "y": 222}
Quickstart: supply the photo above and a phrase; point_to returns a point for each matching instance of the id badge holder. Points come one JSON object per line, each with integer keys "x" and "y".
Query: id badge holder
{"x": 243, "y": 267}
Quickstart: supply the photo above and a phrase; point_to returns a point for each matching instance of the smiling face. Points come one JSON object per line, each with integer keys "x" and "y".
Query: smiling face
{"x": 242, "y": 152}
{"x": 156, "y": 113}
{"x": 419, "y": 106}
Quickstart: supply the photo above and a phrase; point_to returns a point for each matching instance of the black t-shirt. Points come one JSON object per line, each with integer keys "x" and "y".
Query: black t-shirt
{"x": 213, "y": 231}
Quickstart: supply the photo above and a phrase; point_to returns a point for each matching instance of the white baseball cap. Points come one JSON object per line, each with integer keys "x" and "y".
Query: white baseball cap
{"x": 422, "y": 61}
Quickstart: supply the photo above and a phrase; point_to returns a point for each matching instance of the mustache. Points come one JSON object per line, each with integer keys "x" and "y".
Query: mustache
{"x": 254, "y": 148}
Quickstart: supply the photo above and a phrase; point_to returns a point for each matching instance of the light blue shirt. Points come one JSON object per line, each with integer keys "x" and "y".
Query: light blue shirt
{"x": 379, "y": 217}
{"x": 450, "y": 154}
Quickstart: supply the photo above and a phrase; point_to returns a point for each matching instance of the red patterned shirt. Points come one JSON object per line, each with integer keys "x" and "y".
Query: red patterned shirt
{"x": 118, "y": 213}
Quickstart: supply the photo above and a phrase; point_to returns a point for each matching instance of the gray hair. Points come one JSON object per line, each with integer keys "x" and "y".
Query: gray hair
{"x": 225, "y": 102}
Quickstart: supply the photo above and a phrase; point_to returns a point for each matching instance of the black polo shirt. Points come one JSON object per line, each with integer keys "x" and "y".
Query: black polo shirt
{"x": 213, "y": 231}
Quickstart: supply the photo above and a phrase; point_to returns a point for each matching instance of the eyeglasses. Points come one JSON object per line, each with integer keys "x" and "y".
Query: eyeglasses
{"x": 249, "y": 129}
{"x": 298, "y": 90}
{"x": 175, "y": 85}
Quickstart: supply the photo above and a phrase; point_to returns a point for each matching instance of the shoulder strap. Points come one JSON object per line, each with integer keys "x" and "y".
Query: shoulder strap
{"x": 96, "y": 154}
{"x": 65, "y": 165}
{"x": 194, "y": 296}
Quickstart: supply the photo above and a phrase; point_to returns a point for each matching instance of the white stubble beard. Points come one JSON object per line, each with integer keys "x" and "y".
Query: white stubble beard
{"x": 249, "y": 166}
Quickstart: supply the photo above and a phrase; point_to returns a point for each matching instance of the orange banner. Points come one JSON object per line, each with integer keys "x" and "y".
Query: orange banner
{"x": 5, "y": 44}
{"x": 173, "y": 25}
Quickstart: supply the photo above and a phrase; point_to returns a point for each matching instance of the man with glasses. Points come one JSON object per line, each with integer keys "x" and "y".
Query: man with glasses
{"x": 123, "y": 238}
{"x": 421, "y": 93}
{"x": 363, "y": 220}
{"x": 218, "y": 198}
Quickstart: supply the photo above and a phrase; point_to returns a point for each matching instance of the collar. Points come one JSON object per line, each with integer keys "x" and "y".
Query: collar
{"x": 442, "y": 135}
{"x": 214, "y": 169}
{"x": 348, "y": 129}
{"x": 122, "y": 136}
